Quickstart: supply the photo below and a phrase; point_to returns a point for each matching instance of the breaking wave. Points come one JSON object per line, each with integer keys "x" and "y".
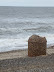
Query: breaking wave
{"x": 41, "y": 29}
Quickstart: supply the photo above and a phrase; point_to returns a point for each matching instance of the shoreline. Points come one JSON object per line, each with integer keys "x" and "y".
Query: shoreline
{"x": 22, "y": 53}
{"x": 49, "y": 47}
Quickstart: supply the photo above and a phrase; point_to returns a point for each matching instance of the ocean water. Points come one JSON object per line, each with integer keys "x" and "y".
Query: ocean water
{"x": 17, "y": 24}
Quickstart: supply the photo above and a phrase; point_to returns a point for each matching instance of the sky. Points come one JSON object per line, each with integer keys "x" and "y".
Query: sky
{"x": 26, "y": 2}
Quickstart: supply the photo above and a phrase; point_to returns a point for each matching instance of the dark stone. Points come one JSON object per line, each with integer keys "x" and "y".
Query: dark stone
{"x": 36, "y": 46}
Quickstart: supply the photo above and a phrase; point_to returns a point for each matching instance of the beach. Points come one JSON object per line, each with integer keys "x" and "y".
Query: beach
{"x": 17, "y": 24}
{"x": 18, "y": 61}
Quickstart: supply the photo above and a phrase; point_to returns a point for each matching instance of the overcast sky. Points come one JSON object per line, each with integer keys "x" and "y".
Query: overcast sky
{"x": 26, "y": 2}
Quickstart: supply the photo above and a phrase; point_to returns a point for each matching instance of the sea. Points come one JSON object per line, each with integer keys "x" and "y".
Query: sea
{"x": 17, "y": 24}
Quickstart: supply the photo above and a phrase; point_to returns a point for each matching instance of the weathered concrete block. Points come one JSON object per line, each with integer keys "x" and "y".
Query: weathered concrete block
{"x": 36, "y": 46}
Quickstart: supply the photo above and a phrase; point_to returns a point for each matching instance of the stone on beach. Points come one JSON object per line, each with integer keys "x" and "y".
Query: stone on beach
{"x": 36, "y": 46}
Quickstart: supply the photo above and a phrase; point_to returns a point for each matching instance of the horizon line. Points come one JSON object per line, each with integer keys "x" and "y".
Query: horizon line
{"x": 25, "y": 6}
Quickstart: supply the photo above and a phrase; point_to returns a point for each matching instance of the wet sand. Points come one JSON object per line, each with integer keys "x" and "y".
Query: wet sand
{"x": 21, "y": 53}
{"x": 18, "y": 61}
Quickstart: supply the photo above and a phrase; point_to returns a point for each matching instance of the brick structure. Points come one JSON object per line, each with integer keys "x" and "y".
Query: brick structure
{"x": 36, "y": 46}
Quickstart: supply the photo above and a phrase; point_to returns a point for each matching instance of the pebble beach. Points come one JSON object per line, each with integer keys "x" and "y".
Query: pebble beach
{"x": 18, "y": 61}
